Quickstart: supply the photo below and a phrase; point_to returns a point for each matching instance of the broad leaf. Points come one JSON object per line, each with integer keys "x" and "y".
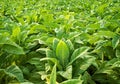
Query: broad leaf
{"x": 73, "y": 81}
{"x": 66, "y": 74}
{"x": 78, "y": 53}
{"x": 14, "y": 71}
{"x": 14, "y": 49}
{"x": 10, "y": 46}
{"x": 62, "y": 53}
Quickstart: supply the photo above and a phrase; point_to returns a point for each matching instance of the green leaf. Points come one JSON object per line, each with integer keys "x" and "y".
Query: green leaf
{"x": 10, "y": 46}
{"x": 14, "y": 71}
{"x": 78, "y": 53}
{"x": 27, "y": 83}
{"x": 49, "y": 53}
{"x": 55, "y": 43}
{"x": 62, "y": 53}
{"x": 118, "y": 53}
{"x": 71, "y": 46}
{"x": 2, "y": 73}
{"x": 87, "y": 79}
{"x": 53, "y": 75}
{"x": 87, "y": 61}
{"x": 60, "y": 33}
{"x": 115, "y": 41}
{"x": 42, "y": 50}
{"x": 107, "y": 34}
{"x": 36, "y": 61}
{"x": 68, "y": 73}
{"x": 73, "y": 81}
{"x": 100, "y": 9}
{"x": 54, "y": 60}
{"x": 82, "y": 64}
{"x": 14, "y": 49}
{"x": 5, "y": 39}
{"x": 16, "y": 32}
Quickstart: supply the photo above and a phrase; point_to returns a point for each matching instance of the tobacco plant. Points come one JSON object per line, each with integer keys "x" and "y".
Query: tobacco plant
{"x": 59, "y": 42}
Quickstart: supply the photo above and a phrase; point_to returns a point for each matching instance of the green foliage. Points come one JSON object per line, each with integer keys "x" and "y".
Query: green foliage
{"x": 59, "y": 42}
{"x": 62, "y": 53}
{"x": 53, "y": 76}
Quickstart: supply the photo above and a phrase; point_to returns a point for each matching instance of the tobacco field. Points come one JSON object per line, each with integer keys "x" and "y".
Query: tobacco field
{"x": 59, "y": 41}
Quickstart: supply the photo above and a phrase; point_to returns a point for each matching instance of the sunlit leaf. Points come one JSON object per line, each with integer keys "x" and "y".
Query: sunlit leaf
{"x": 53, "y": 76}
{"x": 78, "y": 53}
{"x": 62, "y": 53}
{"x": 66, "y": 74}
{"x": 115, "y": 41}
{"x": 54, "y": 60}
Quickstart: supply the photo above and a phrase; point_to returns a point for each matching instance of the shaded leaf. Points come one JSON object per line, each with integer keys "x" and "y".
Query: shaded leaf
{"x": 118, "y": 53}
{"x": 73, "y": 81}
{"x": 14, "y": 49}
{"x": 14, "y": 71}
{"x": 87, "y": 79}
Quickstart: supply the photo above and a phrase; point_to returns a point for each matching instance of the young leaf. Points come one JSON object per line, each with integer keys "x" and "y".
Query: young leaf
{"x": 16, "y": 33}
{"x": 62, "y": 53}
